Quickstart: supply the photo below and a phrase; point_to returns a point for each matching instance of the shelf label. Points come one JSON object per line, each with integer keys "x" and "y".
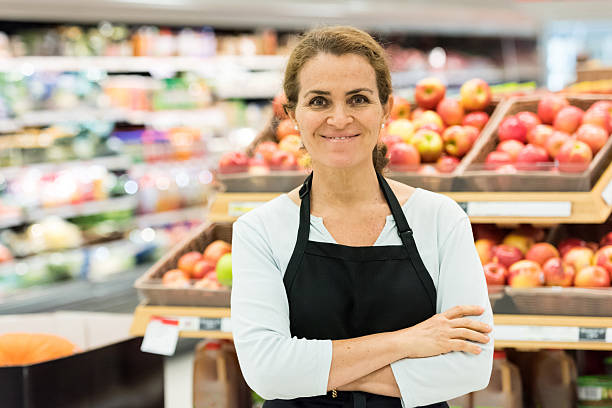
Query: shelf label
{"x": 215, "y": 324}
{"x": 592, "y": 334}
{"x": 189, "y": 323}
{"x": 553, "y": 333}
{"x": 238, "y": 208}
{"x": 607, "y": 194}
{"x": 517, "y": 208}
{"x": 161, "y": 336}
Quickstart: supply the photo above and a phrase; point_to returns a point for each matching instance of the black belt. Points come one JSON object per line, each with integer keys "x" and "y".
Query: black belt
{"x": 356, "y": 397}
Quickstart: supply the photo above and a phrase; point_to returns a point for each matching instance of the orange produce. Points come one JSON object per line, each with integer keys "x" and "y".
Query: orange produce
{"x": 216, "y": 250}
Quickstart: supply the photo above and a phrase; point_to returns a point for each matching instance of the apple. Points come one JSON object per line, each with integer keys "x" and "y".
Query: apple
{"x": 549, "y": 106}
{"x": 574, "y": 156}
{"x": 428, "y": 117}
{"x": 278, "y": 105}
{"x": 522, "y": 242}
{"x": 224, "y": 270}
{"x": 525, "y": 274}
{"x": 528, "y": 119}
{"x": 537, "y": 234}
{"x": 579, "y": 257}
{"x": 285, "y": 128}
{"x": 429, "y": 92}
{"x": 282, "y": 160}
{"x": 390, "y": 140}
{"x": 497, "y": 159}
{"x": 539, "y": 135}
{"x": 605, "y": 105}
{"x": 495, "y": 273}
{"x": 475, "y": 95}
{"x": 427, "y": 170}
{"x": 176, "y": 278}
{"x": 606, "y": 240}
{"x": 531, "y": 157}
{"x": 447, "y": 164}
{"x": 603, "y": 258}
{"x": 512, "y": 129}
{"x": 488, "y": 231}
{"x": 208, "y": 282}
{"x": 512, "y": 147}
{"x": 401, "y": 108}
{"x": 451, "y": 111}
{"x": 599, "y": 117}
{"x": 592, "y": 276}
{"x": 216, "y": 250}
{"x": 593, "y": 135}
{"x": 568, "y": 119}
{"x": 202, "y": 268}
{"x": 558, "y": 273}
{"x": 555, "y": 141}
{"x": 569, "y": 243}
{"x": 432, "y": 126}
{"x": 592, "y": 245}
{"x": 403, "y": 156}
{"x": 457, "y": 141}
{"x": 291, "y": 144}
{"x": 506, "y": 255}
{"x": 472, "y": 132}
{"x": 266, "y": 150}
{"x": 187, "y": 262}
{"x": 429, "y": 144}
{"x": 416, "y": 113}
{"x": 233, "y": 162}
{"x": 402, "y": 128}
{"x": 477, "y": 119}
{"x": 484, "y": 247}
{"x": 541, "y": 252}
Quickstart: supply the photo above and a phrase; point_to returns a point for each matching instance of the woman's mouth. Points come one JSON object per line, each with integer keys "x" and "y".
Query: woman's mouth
{"x": 340, "y": 138}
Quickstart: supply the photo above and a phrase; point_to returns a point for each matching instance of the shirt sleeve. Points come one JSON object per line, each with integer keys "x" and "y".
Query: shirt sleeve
{"x": 424, "y": 381}
{"x": 274, "y": 364}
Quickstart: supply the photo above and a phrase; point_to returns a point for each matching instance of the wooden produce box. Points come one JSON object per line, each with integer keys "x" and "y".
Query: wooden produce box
{"x": 150, "y": 284}
{"x": 474, "y": 177}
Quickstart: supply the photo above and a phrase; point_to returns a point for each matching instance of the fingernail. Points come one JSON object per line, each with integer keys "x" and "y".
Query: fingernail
{"x": 478, "y": 350}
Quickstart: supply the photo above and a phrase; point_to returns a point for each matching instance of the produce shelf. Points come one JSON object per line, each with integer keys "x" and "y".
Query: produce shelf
{"x": 117, "y": 162}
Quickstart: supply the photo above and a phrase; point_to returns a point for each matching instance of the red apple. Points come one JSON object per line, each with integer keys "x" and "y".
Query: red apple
{"x": 488, "y": 231}
{"x": 484, "y": 247}
{"x": 477, "y": 119}
{"x": 428, "y": 143}
{"x": 603, "y": 258}
{"x": 216, "y": 250}
{"x": 558, "y": 273}
{"x": 549, "y": 106}
{"x": 495, "y": 273}
{"x": 427, "y": 170}
{"x": 569, "y": 243}
{"x": 416, "y": 113}
{"x": 537, "y": 234}
{"x": 447, "y": 164}
{"x": 593, "y": 135}
{"x": 291, "y": 144}
{"x": 402, "y": 128}
{"x": 266, "y": 150}
{"x": 528, "y": 119}
{"x": 531, "y": 157}
{"x": 278, "y": 106}
{"x": 457, "y": 141}
{"x": 472, "y": 132}
{"x": 451, "y": 111}
{"x": 506, "y": 255}
{"x": 403, "y": 156}
{"x": 176, "y": 278}
{"x": 429, "y": 92}
{"x": 574, "y": 156}
{"x": 599, "y": 117}
{"x": 512, "y": 147}
{"x": 539, "y": 135}
{"x": 285, "y": 128}
{"x": 592, "y": 276}
{"x": 432, "y": 126}
{"x": 522, "y": 242}
{"x": 541, "y": 252}
{"x": 475, "y": 95}
{"x": 512, "y": 129}
{"x": 568, "y": 119}
{"x": 401, "y": 108}
{"x": 282, "y": 160}
{"x": 497, "y": 159}
{"x": 606, "y": 240}
{"x": 187, "y": 261}
{"x": 258, "y": 166}
{"x": 390, "y": 140}
{"x": 208, "y": 282}
{"x": 202, "y": 268}
{"x": 525, "y": 274}
{"x": 555, "y": 141}
{"x": 233, "y": 162}
{"x": 579, "y": 257}
{"x": 605, "y": 105}
{"x": 428, "y": 117}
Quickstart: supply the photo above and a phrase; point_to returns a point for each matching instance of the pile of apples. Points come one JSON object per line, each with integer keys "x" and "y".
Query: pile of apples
{"x": 440, "y": 130}
{"x": 211, "y": 269}
{"x": 522, "y": 260}
{"x": 560, "y": 137}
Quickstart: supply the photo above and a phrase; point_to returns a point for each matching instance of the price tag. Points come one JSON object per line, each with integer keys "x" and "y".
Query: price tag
{"x": 189, "y": 323}
{"x": 238, "y": 208}
{"x": 519, "y": 209}
{"x": 161, "y": 336}
{"x": 609, "y": 335}
{"x": 607, "y": 194}
{"x": 536, "y": 333}
{"x": 592, "y": 334}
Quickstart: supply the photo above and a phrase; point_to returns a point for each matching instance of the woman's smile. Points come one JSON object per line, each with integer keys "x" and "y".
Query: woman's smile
{"x": 340, "y": 138}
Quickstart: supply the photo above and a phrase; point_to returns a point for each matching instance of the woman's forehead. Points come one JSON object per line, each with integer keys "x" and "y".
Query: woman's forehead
{"x": 333, "y": 73}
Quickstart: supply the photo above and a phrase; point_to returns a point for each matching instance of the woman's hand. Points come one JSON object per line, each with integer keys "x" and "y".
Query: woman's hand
{"x": 446, "y": 332}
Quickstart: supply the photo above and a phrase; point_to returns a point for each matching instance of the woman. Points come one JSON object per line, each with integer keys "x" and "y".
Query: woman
{"x": 354, "y": 290}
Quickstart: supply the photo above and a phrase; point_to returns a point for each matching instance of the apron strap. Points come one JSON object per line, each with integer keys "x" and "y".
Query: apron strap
{"x": 302, "y": 237}
{"x": 406, "y": 235}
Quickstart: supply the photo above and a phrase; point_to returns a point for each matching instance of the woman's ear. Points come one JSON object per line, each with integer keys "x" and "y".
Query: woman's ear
{"x": 387, "y": 108}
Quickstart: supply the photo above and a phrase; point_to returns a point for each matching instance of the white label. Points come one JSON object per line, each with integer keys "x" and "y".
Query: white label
{"x": 226, "y": 325}
{"x": 519, "y": 209}
{"x": 590, "y": 393}
{"x": 189, "y": 323}
{"x": 537, "y": 333}
{"x": 161, "y": 337}
{"x": 238, "y": 208}
{"x": 609, "y": 335}
{"x": 607, "y": 193}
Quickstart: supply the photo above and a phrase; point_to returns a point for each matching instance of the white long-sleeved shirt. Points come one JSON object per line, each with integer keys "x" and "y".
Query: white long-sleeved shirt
{"x": 278, "y": 366}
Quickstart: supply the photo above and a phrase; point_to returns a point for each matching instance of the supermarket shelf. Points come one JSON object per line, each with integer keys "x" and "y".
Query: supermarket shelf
{"x": 457, "y": 77}
{"x": 87, "y": 208}
{"x": 171, "y": 217}
{"x": 119, "y": 162}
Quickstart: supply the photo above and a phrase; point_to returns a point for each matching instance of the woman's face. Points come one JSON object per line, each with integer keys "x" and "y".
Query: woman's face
{"x": 338, "y": 112}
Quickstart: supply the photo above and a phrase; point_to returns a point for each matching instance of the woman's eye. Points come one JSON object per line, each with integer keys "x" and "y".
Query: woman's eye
{"x": 359, "y": 100}
{"x": 317, "y": 101}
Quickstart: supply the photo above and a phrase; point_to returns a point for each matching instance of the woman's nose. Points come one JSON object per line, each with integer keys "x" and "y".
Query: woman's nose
{"x": 339, "y": 118}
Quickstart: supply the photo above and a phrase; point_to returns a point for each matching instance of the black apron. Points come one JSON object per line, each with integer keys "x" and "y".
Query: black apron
{"x": 340, "y": 292}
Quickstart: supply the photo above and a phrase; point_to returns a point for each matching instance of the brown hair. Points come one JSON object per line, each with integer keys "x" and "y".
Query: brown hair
{"x": 340, "y": 40}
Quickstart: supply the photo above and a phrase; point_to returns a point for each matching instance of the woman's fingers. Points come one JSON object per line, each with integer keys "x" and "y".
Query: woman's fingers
{"x": 466, "y": 346}
{"x": 471, "y": 324}
{"x": 463, "y": 310}
{"x": 467, "y": 334}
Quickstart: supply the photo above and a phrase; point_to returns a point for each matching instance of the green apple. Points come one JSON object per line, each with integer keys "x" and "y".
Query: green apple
{"x": 224, "y": 270}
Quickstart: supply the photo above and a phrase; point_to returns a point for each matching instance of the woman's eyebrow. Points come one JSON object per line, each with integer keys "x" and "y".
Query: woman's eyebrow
{"x": 354, "y": 91}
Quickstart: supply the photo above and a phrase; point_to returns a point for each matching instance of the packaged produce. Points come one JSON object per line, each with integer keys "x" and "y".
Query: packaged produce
{"x": 504, "y": 390}
{"x": 595, "y": 390}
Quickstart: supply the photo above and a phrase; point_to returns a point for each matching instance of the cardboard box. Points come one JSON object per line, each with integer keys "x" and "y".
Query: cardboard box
{"x": 111, "y": 371}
